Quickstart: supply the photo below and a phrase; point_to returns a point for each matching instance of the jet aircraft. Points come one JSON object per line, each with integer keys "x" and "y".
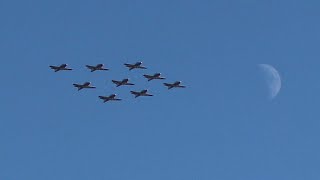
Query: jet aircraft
{"x": 112, "y": 97}
{"x": 85, "y": 85}
{"x": 155, "y": 76}
{"x": 137, "y": 65}
{"x": 141, "y": 93}
{"x": 62, "y": 67}
{"x": 98, "y": 67}
{"x": 122, "y": 83}
{"x": 176, "y": 84}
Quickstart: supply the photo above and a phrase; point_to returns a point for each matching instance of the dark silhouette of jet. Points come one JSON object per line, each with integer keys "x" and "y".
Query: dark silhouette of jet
{"x": 98, "y": 67}
{"x": 155, "y": 76}
{"x": 137, "y": 65}
{"x": 141, "y": 93}
{"x": 176, "y": 84}
{"x": 85, "y": 85}
{"x": 62, "y": 67}
{"x": 112, "y": 97}
{"x": 122, "y": 82}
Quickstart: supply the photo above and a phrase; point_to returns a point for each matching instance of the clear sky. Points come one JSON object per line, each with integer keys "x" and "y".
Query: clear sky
{"x": 223, "y": 126}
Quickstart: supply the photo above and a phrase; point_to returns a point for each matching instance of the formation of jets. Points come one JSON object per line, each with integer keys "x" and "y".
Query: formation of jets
{"x": 118, "y": 83}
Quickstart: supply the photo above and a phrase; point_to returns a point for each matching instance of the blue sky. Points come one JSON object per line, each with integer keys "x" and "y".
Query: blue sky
{"x": 221, "y": 127}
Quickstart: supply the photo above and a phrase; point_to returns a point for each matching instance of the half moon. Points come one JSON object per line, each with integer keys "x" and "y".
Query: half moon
{"x": 273, "y": 79}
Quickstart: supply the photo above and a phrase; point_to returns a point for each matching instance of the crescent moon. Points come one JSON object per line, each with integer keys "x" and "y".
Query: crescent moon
{"x": 273, "y": 79}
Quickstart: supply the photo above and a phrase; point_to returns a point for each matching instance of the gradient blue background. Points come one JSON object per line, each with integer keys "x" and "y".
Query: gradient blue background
{"x": 221, "y": 127}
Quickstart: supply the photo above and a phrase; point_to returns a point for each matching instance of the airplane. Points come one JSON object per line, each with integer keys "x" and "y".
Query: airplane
{"x": 155, "y": 76}
{"x": 122, "y": 83}
{"x": 174, "y": 85}
{"x": 98, "y": 67}
{"x": 141, "y": 93}
{"x": 62, "y": 67}
{"x": 112, "y": 97}
{"x": 137, "y": 65}
{"x": 83, "y": 86}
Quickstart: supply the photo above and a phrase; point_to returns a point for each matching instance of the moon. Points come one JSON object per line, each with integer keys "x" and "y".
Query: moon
{"x": 272, "y": 78}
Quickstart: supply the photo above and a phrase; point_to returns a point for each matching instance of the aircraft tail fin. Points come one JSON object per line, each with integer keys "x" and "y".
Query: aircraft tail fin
{"x": 168, "y": 85}
{"x": 78, "y": 86}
